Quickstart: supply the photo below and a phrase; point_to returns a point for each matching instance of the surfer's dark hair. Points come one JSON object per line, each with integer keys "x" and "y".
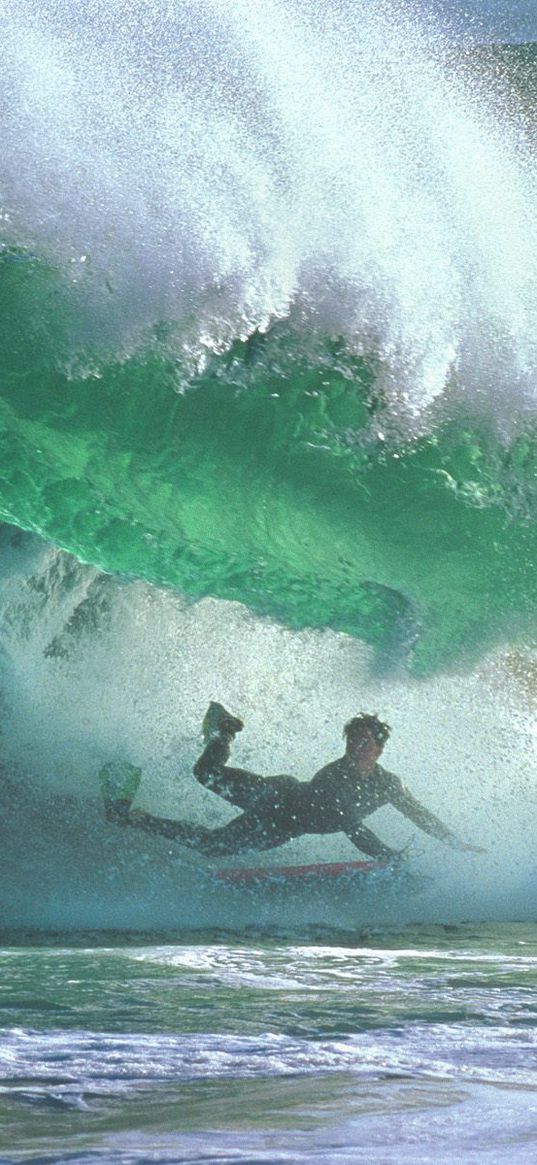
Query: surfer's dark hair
{"x": 368, "y": 722}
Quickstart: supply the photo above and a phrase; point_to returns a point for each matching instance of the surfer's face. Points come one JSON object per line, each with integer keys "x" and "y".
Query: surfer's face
{"x": 364, "y": 748}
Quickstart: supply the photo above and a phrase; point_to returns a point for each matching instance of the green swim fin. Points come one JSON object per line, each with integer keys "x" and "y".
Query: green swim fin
{"x": 119, "y": 780}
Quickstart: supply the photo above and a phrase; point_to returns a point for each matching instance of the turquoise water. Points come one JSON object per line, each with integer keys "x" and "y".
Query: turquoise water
{"x": 263, "y": 483}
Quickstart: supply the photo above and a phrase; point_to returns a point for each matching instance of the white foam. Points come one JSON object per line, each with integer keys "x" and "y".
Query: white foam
{"x": 91, "y": 1063}
{"x": 230, "y": 163}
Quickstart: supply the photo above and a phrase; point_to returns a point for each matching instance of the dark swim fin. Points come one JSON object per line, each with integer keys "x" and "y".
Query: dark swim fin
{"x": 217, "y": 719}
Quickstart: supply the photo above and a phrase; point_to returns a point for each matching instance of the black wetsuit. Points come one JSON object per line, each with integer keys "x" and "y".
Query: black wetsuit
{"x": 277, "y": 809}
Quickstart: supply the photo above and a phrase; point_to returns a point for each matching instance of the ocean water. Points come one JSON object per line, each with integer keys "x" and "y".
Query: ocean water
{"x": 268, "y": 336}
{"x": 268, "y": 396}
{"x": 333, "y": 1047}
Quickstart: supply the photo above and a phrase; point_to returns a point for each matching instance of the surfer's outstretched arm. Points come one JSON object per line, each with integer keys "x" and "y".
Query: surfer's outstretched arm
{"x": 239, "y": 786}
{"x": 402, "y": 800}
{"x": 365, "y": 840}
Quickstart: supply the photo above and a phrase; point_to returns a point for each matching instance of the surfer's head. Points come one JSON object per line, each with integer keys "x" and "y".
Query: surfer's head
{"x": 366, "y": 736}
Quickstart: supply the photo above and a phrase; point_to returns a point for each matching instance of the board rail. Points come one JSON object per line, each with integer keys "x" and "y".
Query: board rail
{"x": 246, "y": 874}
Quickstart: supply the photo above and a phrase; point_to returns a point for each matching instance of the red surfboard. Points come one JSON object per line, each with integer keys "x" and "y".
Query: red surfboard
{"x": 243, "y": 875}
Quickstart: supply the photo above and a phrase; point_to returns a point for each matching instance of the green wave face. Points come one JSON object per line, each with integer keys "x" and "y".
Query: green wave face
{"x": 347, "y": 170}
{"x": 262, "y": 482}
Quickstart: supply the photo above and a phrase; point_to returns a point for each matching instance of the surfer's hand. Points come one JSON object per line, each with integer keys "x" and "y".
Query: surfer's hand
{"x": 396, "y": 857}
{"x": 466, "y": 848}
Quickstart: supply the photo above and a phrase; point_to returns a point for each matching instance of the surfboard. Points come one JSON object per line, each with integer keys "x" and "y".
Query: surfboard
{"x": 247, "y": 875}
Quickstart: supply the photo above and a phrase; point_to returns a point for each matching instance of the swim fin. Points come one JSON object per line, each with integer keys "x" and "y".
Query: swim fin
{"x": 216, "y": 720}
{"x": 119, "y": 780}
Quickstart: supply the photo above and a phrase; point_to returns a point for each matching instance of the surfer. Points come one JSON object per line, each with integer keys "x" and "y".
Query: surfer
{"x": 279, "y": 808}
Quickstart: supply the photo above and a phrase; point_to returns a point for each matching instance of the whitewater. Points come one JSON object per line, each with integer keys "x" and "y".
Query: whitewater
{"x": 268, "y": 394}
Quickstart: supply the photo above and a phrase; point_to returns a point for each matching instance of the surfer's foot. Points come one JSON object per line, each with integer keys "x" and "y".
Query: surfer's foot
{"x": 218, "y": 722}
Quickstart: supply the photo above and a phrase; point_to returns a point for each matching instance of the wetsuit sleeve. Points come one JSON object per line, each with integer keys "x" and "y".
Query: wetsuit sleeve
{"x": 402, "y": 800}
{"x": 365, "y": 840}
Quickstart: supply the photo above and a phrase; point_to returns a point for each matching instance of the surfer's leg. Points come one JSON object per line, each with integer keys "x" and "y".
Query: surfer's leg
{"x": 197, "y": 837}
{"x": 117, "y": 810}
{"x": 165, "y": 827}
{"x": 237, "y": 835}
{"x": 249, "y": 831}
{"x": 239, "y": 786}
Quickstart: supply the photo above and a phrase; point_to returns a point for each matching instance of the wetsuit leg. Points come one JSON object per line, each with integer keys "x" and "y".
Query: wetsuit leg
{"x": 272, "y": 820}
{"x": 249, "y": 831}
{"x": 239, "y": 786}
{"x": 161, "y": 826}
{"x": 246, "y": 832}
{"x": 117, "y": 811}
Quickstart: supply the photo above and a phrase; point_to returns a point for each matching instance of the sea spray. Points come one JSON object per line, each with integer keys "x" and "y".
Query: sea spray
{"x": 134, "y": 681}
{"x": 247, "y": 163}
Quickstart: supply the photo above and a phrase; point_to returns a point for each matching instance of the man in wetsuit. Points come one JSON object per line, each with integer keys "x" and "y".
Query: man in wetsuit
{"x": 277, "y": 809}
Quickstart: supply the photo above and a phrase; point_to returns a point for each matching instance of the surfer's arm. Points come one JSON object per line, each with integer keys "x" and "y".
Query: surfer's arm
{"x": 367, "y": 842}
{"x": 410, "y": 807}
